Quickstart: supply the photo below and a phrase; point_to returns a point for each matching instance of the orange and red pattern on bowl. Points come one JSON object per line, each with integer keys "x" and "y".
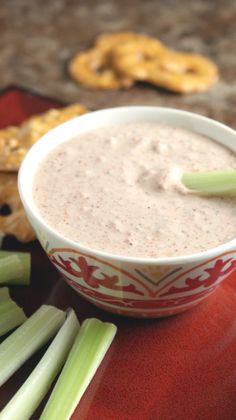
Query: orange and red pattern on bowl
{"x": 138, "y": 291}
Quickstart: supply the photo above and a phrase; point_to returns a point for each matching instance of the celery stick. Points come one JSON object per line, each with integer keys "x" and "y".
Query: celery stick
{"x": 4, "y": 293}
{"x": 28, "y": 338}
{"x": 89, "y": 349}
{"x": 28, "y": 397}
{"x": 11, "y": 315}
{"x": 211, "y": 182}
{"x": 15, "y": 267}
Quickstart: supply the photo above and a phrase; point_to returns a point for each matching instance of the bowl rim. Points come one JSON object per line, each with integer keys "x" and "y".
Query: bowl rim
{"x": 180, "y": 259}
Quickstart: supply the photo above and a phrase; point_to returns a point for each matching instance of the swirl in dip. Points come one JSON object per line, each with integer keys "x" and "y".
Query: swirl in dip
{"x": 117, "y": 189}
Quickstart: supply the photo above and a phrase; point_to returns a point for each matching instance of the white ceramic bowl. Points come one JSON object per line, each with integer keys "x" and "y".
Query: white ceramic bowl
{"x": 143, "y": 287}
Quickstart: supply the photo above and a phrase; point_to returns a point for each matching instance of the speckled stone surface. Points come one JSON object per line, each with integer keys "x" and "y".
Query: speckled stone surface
{"x": 38, "y": 38}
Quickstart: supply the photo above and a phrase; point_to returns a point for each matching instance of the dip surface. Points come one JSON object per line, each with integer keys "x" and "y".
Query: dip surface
{"x": 114, "y": 189}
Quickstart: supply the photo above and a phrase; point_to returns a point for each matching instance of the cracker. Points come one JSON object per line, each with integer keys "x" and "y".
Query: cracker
{"x": 16, "y": 222}
{"x": 16, "y": 141}
{"x": 9, "y": 145}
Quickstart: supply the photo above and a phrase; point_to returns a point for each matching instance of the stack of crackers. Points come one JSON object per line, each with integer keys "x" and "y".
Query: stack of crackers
{"x": 14, "y": 144}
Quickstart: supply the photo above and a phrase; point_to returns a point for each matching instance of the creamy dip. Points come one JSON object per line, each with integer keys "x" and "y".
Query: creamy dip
{"x": 116, "y": 189}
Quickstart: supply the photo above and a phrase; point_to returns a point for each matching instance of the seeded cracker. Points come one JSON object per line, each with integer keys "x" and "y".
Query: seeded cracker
{"x": 16, "y": 141}
{"x": 16, "y": 222}
{"x": 14, "y": 144}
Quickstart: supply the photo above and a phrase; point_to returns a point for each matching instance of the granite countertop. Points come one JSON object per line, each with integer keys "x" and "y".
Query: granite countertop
{"x": 38, "y": 38}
